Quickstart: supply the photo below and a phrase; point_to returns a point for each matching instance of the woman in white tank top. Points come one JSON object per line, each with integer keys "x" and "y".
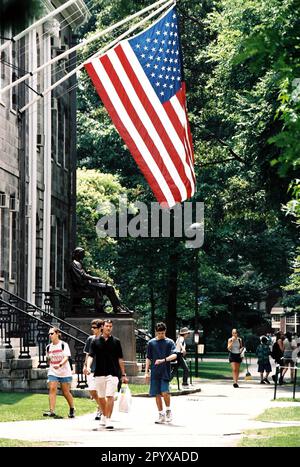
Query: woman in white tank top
{"x": 235, "y": 347}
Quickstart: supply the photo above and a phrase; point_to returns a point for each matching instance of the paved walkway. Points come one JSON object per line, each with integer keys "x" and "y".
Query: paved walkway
{"x": 216, "y": 416}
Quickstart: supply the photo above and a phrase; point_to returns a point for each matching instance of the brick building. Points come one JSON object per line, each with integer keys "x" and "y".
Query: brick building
{"x": 38, "y": 157}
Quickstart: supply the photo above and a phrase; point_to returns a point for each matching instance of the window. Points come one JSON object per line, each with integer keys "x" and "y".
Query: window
{"x": 12, "y": 239}
{"x": 61, "y": 136}
{"x": 1, "y": 243}
{"x": 54, "y": 132}
{"x": 13, "y": 59}
{"x": 276, "y": 318}
{"x": 53, "y": 263}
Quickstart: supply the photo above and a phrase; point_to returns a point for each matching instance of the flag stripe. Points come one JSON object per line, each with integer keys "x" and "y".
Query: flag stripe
{"x": 140, "y": 83}
{"x": 154, "y": 121}
{"x": 143, "y": 124}
{"x": 163, "y": 196}
{"x": 172, "y": 107}
{"x": 166, "y": 122}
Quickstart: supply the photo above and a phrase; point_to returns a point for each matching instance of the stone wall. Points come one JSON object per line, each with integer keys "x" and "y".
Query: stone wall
{"x": 18, "y": 375}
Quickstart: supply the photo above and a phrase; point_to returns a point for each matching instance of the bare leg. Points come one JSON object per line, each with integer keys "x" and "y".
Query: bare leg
{"x": 167, "y": 399}
{"x": 65, "y": 387}
{"x": 109, "y": 406}
{"x": 94, "y": 395}
{"x": 159, "y": 404}
{"x": 52, "y": 395}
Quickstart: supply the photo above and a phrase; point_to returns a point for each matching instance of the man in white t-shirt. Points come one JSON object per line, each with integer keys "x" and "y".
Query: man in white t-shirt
{"x": 181, "y": 353}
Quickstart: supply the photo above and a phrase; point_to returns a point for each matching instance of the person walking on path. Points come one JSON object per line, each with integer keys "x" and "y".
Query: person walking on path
{"x": 235, "y": 347}
{"x": 264, "y": 365}
{"x": 181, "y": 353}
{"x": 58, "y": 353}
{"x": 289, "y": 345}
{"x": 160, "y": 352}
{"x": 96, "y": 327}
{"x": 107, "y": 352}
{"x": 277, "y": 354}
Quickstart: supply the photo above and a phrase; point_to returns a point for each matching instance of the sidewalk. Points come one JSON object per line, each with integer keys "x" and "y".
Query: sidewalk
{"x": 216, "y": 416}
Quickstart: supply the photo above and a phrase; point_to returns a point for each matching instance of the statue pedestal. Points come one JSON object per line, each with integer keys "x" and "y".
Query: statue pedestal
{"x": 123, "y": 329}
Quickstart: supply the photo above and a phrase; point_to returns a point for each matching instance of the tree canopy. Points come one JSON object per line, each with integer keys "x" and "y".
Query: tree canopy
{"x": 241, "y": 64}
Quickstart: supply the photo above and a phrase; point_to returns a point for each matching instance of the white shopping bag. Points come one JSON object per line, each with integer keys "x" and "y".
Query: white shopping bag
{"x": 124, "y": 399}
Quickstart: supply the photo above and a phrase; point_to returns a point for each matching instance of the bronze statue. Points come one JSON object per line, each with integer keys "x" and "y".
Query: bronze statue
{"x": 85, "y": 283}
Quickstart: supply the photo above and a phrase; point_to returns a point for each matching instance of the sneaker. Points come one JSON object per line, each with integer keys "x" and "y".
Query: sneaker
{"x": 168, "y": 416}
{"x": 235, "y": 385}
{"x": 49, "y": 414}
{"x": 109, "y": 425}
{"x": 102, "y": 420}
{"x": 262, "y": 382}
{"x": 161, "y": 419}
{"x": 72, "y": 413}
{"x": 98, "y": 415}
{"x": 266, "y": 381}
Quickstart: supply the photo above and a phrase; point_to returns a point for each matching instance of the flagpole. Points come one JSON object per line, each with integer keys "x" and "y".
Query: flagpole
{"x": 36, "y": 24}
{"x": 78, "y": 46}
{"x": 53, "y": 86}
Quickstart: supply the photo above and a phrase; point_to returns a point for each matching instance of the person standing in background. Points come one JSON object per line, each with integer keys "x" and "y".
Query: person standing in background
{"x": 181, "y": 353}
{"x": 264, "y": 365}
{"x": 235, "y": 347}
{"x": 96, "y": 327}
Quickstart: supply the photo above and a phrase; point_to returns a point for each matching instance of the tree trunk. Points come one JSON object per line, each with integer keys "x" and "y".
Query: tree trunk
{"x": 172, "y": 296}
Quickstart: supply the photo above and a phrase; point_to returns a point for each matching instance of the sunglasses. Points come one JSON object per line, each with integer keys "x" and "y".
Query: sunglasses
{"x": 51, "y": 333}
{"x": 94, "y": 327}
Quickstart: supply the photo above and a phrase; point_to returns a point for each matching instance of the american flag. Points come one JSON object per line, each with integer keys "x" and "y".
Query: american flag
{"x": 140, "y": 83}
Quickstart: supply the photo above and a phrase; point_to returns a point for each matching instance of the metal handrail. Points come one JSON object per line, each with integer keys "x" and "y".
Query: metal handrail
{"x": 40, "y": 310}
{"x": 15, "y": 320}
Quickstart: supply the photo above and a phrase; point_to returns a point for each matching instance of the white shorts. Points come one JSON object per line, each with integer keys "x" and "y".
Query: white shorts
{"x": 106, "y": 386}
{"x": 91, "y": 382}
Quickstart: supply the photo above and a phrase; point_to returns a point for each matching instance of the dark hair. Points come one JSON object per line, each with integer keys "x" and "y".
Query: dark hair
{"x": 107, "y": 321}
{"x": 56, "y": 330}
{"x": 160, "y": 327}
{"x": 264, "y": 340}
{"x": 288, "y": 335}
{"x": 98, "y": 323}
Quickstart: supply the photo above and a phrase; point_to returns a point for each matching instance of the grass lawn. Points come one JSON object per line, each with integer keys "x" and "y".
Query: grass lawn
{"x": 18, "y": 443}
{"x": 26, "y": 406}
{"x": 216, "y": 370}
{"x": 287, "y": 399}
{"x": 280, "y": 414}
{"x": 288, "y": 436}
{"x": 272, "y": 437}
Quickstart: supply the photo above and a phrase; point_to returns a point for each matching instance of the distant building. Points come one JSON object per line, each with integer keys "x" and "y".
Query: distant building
{"x": 284, "y": 319}
{"x": 38, "y": 158}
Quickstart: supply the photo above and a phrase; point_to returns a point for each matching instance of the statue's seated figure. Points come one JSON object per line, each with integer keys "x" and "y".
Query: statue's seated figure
{"x": 85, "y": 285}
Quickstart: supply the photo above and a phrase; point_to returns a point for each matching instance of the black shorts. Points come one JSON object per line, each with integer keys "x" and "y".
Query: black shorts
{"x": 235, "y": 358}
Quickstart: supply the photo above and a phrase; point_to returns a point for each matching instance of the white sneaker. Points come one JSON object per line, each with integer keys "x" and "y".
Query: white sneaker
{"x": 109, "y": 425}
{"x": 161, "y": 419}
{"x": 168, "y": 416}
{"x": 98, "y": 415}
{"x": 103, "y": 420}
